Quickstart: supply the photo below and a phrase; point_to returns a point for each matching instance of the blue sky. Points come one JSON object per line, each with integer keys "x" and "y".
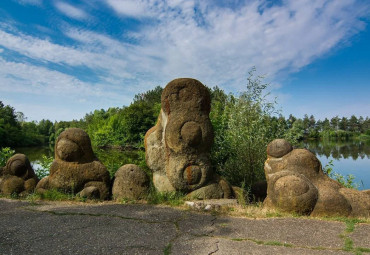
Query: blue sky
{"x": 62, "y": 59}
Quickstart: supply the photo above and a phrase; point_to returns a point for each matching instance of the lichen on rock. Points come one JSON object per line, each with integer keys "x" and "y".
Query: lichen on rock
{"x": 76, "y": 168}
{"x": 17, "y": 176}
{"x": 131, "y": 182}
{"x": 178, "y": 147}
{"x": 296, "y": 183}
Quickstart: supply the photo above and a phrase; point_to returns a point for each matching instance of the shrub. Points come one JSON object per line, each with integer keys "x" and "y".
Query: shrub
{"x": 44, "y": 168}
{"x": 243, "y": 127}
{"x": 5, "y": 154}
{"x": 347, "y": 181}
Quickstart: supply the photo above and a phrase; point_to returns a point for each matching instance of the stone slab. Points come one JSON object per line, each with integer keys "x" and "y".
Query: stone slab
{"x": 302, "y": 232}
{"x": 361, "y": 236}
{"x": 191, "y": 245}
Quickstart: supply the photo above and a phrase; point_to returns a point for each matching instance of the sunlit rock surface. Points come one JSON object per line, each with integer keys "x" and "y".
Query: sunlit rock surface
{"x": 178, "y": 147}
{"x": 75, "y": 168}
{"x": 17, "y": 177}
{"x": 296, "y": 183}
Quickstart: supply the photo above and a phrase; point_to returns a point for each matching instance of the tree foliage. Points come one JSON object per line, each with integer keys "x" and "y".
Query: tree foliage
{"x": 244, "y": 125}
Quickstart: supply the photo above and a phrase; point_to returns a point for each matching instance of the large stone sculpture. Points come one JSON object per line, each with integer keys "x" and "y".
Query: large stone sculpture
{"x": 296, "y": 183}
{"x": 17, "y": 177}
{"x": 75, "y": 168}
{"x": 178, "y": 146}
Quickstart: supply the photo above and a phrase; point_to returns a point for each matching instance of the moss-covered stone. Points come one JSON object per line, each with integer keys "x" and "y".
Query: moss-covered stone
{"x": 75, "y": 166}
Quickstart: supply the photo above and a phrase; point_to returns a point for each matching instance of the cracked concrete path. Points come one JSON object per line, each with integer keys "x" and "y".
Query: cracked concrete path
{"x": 108, "y": 228}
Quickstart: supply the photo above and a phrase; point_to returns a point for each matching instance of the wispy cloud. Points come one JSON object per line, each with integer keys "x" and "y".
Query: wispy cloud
{"x": 27, "y": 78}
{"x": 215, "y": 44}
{"x": 46, "y": 51}
{"x": 134, "y": 8}
{"x": 71, "y": 11}
{"x": 28, "y": 81}
{"x": 219, "y": 45}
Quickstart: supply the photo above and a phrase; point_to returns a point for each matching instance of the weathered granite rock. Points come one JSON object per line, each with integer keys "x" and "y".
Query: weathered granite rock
{"x": 279, "y": 148}
{"x": 296, "y": 183}
{"x": 17, "y": 176}
{"x": 90, "y": 192}
{"x": 178, "y": 147}
{"x": 75, "y": 167}
{"x": 130, "y": 182}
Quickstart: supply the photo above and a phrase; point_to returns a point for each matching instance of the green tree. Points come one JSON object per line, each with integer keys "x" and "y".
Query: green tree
{"x": 151, "y": 96}
{"x": 290, "y": 121}
{"x": 10, "y": 128}
{"x": 343, "y": 124}
{"x": 353, "y": 124}
{"x": 334, "y": 122}
{"x": 243, "y": 127}
{"x": 296, "y": 133}
{"x": 306, "y": 123}
{"x": 326, "y": 124}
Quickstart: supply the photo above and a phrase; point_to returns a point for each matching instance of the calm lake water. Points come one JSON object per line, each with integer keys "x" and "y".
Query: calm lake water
{"x": 350, "y": 157}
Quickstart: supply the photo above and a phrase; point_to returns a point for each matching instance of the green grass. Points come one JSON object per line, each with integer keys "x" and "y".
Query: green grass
{"x": 276, "y": 243}
{"x": 168, "y": 198}
{"x": 54, "y": 195}
{"x": 348, "y": 244}
{"x": 271, "y": 243}
{"x": 362, "y": 249}
{"x": 237, "y": 239}
{"x": 167, "y": 249}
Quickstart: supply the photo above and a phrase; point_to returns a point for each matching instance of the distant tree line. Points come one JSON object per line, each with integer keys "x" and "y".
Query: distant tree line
{"x": 126, "y": 126}
{"x": 335, "y": 128}
{"x": 15, "y": 131}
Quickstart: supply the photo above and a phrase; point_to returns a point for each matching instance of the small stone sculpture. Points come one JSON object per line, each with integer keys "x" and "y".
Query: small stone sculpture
{"x": 296, "y": 183}
{"x": 130, "y": 182}
{"x": 178, "y": 147}
{"x": 75, "y": 168}
{"x": 17, "y": 176}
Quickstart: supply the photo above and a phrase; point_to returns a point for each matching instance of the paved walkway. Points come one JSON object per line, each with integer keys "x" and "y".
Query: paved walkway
{"x": 65, "y": 228}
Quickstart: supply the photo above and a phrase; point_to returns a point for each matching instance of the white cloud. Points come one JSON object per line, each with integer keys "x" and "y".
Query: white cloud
{"x": 135, "y": 8}
{"x": 215, "y": 44}
{"x": 27, "y": 78}
{"x": 221, "y": 48}
{"x": 71, "y": 11}
{"x": 51, "y": 87}
{"x": 1, "y": 50}
{"x": 46, "y": 51}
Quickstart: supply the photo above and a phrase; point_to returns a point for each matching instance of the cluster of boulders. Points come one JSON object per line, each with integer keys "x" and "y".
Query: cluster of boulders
{"x": 296, "y": 183}
{"x": 177, "y": 151}
{"x": 75, "y": 169}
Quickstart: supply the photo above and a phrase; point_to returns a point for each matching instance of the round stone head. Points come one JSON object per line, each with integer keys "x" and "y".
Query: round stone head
{"x": 19, "y": 165}
{"x": 74, "y": 145}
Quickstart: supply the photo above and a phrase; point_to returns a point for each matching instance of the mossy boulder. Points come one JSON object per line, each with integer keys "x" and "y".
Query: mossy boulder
{"x": 177, "y": 148}
{"x": 18, "y": 177}
{"x": 296, "y": 183}
{"x": 130, "y": 182}
{"x": 75, "y": 167}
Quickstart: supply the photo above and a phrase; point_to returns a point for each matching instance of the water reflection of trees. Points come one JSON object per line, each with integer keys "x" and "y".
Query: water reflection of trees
{"x": 339, "y": 149}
